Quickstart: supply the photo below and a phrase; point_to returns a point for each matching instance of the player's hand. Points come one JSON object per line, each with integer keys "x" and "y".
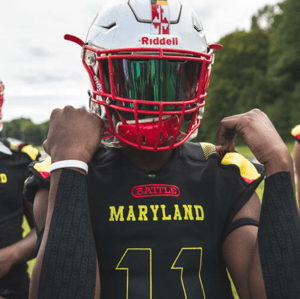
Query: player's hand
{"x": 74, "y": 134}
{"x": 7, "y": 260}
{"x": 261, "y": 137}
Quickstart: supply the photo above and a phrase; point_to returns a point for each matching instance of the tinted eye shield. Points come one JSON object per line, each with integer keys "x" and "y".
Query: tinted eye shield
{"x": 159, "y": 77}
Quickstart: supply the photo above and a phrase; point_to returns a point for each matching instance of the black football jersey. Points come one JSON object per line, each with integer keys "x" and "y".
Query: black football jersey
{"x": 14, "y": 160}
{"x": 159, "y": 234}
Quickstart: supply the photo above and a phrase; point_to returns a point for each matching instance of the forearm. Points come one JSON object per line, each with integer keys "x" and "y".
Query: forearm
{"x": 24, "y": 249}
{"x": 67, "y": 257}
{"x": 275, "y": 258}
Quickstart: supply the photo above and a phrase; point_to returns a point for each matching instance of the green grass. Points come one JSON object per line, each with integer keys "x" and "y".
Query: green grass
{"x": 243, "y": 150}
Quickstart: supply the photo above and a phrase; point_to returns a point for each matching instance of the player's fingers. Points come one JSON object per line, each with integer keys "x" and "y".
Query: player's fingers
{"x": 228, "y": 145}
{"x": 226, "y": 129}
{"x": 54, "y": 114}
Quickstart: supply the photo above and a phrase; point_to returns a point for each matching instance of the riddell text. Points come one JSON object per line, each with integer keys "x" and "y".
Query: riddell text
{"x": 159, "y": 41}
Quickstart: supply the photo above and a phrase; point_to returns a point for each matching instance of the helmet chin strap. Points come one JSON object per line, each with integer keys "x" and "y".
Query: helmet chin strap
{"x": 149, "y": 132}
{"x": 200, "y": 116}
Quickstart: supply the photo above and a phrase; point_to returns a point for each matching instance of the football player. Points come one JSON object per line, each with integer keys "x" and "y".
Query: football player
{"x": 152, "y": 214}
{"x": 14, "y": 251}
{"x": 296, "y": 134}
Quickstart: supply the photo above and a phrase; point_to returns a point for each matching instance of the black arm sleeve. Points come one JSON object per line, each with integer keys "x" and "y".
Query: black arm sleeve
{"x": 279, "y": 238}
{"x": 69, "y": 264}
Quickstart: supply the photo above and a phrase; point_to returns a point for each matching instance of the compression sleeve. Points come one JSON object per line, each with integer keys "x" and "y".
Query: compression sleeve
{"x": 69, "y": 264}
{"x": 279, "y": 238}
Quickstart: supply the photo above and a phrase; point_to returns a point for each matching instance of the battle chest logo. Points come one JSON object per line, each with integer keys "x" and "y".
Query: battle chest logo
{"x": 155, "y": 190}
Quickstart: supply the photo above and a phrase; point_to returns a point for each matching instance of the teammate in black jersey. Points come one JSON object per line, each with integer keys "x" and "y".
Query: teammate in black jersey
{"x": 14, "y": 251}
{"x": 156, "y": 216}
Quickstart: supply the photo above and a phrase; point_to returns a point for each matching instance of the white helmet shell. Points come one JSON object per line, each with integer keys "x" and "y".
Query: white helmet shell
{"x": 136, "y": 24}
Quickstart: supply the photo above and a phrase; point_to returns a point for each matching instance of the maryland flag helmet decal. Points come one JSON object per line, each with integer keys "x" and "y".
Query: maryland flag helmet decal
{"x": 160, "y": 17}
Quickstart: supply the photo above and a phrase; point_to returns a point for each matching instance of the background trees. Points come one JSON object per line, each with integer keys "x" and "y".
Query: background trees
{"x": 24, "y": 129}
{"x": 258, "y": 69}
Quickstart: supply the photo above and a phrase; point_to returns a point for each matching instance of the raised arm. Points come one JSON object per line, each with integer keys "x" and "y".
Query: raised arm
{"x": 67, "y": 263}
{"x": 265, "y": 263}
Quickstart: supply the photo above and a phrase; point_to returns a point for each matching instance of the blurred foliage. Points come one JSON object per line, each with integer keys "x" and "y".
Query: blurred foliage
{"x": 24, "y": 129}
{"x": 258, "y": 69}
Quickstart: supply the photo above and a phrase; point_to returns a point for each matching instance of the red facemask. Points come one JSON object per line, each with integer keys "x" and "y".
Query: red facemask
{"x": 149, "y": 91}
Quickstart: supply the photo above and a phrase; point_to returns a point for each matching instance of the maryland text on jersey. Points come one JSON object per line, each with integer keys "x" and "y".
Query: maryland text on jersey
{"x": 156, "y": 212}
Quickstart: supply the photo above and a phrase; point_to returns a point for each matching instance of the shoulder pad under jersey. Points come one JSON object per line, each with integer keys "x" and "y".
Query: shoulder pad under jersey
{"x": 210, "y": 149}
{"x": 39, "y": 178}
{"x": 296, "y": 133}
{"x": 42, "y": 168}
{"x": 248, "y": 171}
{"x": 22, "y": 147}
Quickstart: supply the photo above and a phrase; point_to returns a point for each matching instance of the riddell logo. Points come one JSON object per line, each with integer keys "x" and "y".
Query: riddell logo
{"x": 160, "y": 41}
{"x": 155, "y": 190}
{"x": 97, "y": 83}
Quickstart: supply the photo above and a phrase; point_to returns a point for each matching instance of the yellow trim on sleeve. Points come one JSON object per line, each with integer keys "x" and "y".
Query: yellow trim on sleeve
{"x": 30, "y": 151}
{"x": 296, "y": 131}
{"x": 43, "y": 166}
{"x": 247, "y": 169}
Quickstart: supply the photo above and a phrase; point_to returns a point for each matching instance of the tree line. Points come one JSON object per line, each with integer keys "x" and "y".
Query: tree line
{"x": 24, "y": 129}
{"x": 255, "y": 69}
{"x": 258, "y": 69}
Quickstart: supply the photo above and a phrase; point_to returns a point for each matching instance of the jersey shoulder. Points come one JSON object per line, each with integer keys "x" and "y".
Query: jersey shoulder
{"x": 234, "y": 162}
{"x": 202, "y": 151}
{"x": 23, "y": 147}
{"x": 248, "y": 171}
{"x": 296, "y": 133}
{"x": 41, "y": 168}
{"x": 39, "y": 177}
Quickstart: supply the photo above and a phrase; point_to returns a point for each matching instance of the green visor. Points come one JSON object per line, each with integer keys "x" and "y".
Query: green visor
{"x": 156, "y": 80}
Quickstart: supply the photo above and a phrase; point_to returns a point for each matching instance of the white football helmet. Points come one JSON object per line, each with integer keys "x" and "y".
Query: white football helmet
{"x": 149, "y": 65}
